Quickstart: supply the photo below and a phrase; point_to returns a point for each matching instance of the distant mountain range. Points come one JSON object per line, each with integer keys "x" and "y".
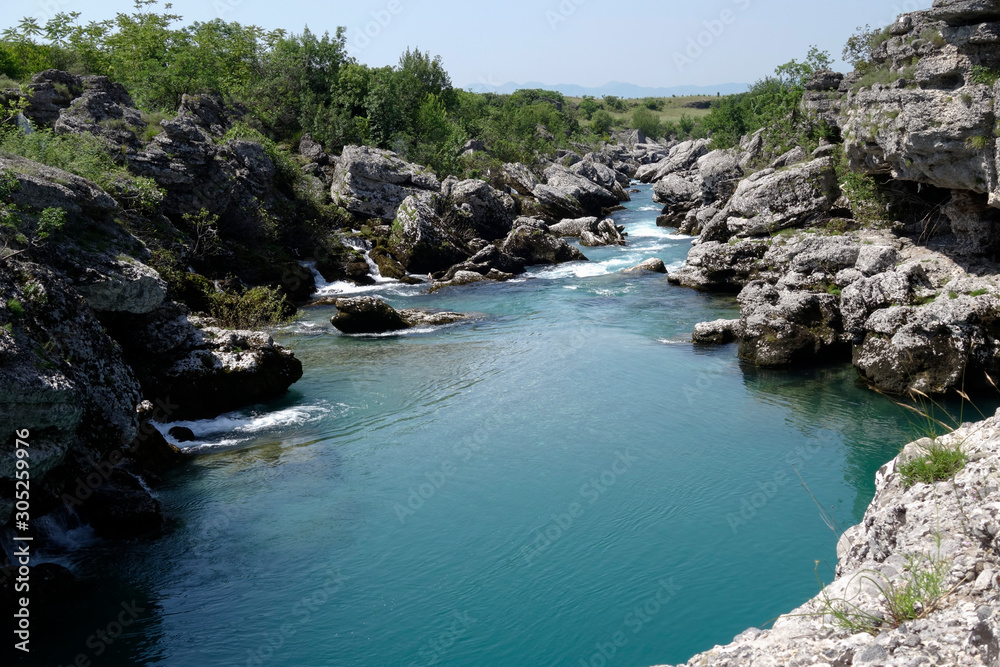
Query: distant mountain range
{"x": 617, "y": 88}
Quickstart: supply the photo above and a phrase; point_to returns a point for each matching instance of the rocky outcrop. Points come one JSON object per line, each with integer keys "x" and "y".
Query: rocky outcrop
{"x": 948, "y": 530}
{"x": 718, "y": 332}
{"x": 782, "y": 327}
{"x": 374, "y": 183}
{"x": 91, "y": 351}
{"x": 483, "y": 212}
{"x": 567, "y": 194}
{"x": 421, "y": 239}
{"x": 591, "y": 231}
{"x": 682, "y": 157}
{"x": 532, "y": 242}
{"x": 371, "y": 315}
{"x": 206, "y": 370}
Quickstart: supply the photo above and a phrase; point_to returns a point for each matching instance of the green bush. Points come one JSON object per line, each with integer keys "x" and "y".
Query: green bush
{"x": 984, "y": 75}
{"x": 254, "y": 308}
{"x": 15, "y": 307}
{"x": 646, "y": 122}
{"x": 87, "y": 156}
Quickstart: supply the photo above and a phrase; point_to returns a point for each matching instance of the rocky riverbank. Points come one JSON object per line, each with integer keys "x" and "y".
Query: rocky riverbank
{"x": 106, "y": 288}
{"x": 936, "y": 541}
{"x": 906, "y": 290}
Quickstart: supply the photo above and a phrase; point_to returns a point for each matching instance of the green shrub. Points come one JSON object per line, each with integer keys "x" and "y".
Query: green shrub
{"x": 921, "y": 588}
{"x": 867, "y": 202}
{"x": 977, "y": 142}
{"x": 15, "y": 307}
{"x": 984, "y": 75}
{"x": 254, "y": 308}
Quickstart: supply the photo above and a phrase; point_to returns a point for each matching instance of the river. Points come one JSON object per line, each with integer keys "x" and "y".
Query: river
{"x": 563, "y": 480}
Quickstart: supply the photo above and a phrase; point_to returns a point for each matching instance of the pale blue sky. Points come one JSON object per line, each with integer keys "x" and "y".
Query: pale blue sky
{"x": 586, "y": 42}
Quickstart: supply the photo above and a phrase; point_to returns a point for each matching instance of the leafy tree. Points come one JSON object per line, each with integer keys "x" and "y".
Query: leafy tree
{"x": 600, "y": 122}
{"x": 860, "y": 48}
{"x": 588, "y": 105}
{"x": 646, "y": 122}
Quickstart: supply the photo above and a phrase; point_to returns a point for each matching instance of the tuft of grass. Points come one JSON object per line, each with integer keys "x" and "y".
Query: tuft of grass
{"x": 941, "y": 462}
{"x": 979, "y": 292}
{"x": 15, "y": 307}
{"x": 977, "y": 142}
{"x": 984, "y": 75}
{"x": 918, "y": 593}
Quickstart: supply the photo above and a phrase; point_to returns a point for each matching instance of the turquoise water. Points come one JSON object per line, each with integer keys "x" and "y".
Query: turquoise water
{"x": 564, "y": 480}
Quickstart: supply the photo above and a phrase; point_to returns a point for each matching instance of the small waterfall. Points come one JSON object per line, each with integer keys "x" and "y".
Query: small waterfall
{"x": 365, "y": 248}
{"x": 321, "y": 282}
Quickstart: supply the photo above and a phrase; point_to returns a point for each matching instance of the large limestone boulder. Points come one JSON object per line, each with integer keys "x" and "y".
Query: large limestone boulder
{"x": 105, "y": 109}
{"x": 367, "y": 315}
{"x": 519, "y": 178}
{"x": 785, "y": 327}
{"x": 720, "y": 267}
{"x": 371, "y": 315}
{"x": 563, "y": 187}
{"x": 373, "y": 182}
{"x": 591, "y": 231}
{"x": 490, "y": 213}
{"x": 421, "y": 239}
{"x": 535, "y": 245}
{"x": 946, "y": 345}
{"x": 682, "y": 157}
{"x": 771, "y": 200}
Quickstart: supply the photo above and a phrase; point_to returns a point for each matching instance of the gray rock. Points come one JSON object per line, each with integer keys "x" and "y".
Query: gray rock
{"x": 782, "y": 328}
{"x": 824, "y": 79}
{"x": 682, "y": 157}
{"x": 591, "y": 231}
{"x": 564, "y": 187}
{"x": 936, "y": 348}
{"x": 653, "y": 265}
{"x": 374, "y": 182}
{"x": 769, "y": 201}
{"x": 537, "y": 246}
{"x": 519, "y": 178}
{"x": 421, "y": 240}
{"x": 720, "y": 267}
{"x": 367, "y": 315}
{"x": 491, "y": 212}
{"x": 718, "y": 332}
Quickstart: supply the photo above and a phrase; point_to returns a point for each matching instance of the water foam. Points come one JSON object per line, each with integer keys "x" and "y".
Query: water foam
{"x": 238, "y": 427}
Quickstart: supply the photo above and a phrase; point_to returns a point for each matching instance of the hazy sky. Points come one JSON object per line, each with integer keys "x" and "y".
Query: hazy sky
{"x": 586, "y": 42}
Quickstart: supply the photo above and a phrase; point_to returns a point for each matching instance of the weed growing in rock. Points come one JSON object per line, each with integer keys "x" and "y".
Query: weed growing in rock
{"x": 984, "y": 75}
{"x": 915, "y": 595}
{"x": 940, "y": 462}
{"x": 15, "y": 307}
